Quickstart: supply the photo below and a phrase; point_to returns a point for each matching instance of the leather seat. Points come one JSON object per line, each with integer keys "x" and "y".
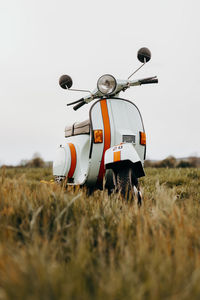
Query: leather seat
{"x": 78, "y": 128}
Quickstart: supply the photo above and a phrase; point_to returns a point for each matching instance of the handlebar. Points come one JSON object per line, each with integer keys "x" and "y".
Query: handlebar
{"x": 148, "y": 81}
{"x": 122, "y": 85}
{"x": 79, "y": 105}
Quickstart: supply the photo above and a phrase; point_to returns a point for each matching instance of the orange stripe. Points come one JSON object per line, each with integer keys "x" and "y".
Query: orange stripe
{"x": 107, "y": 137}
{"x": 117, "y": 156}
{"x": 73, "y": 160}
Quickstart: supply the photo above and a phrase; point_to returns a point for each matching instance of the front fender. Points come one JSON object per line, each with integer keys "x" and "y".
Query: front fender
{"x": 122, "y": 155}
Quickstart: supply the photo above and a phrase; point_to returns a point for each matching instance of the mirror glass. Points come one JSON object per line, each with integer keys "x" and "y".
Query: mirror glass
{"x": 65, "y": 82}
{"x": 144, "y": 55}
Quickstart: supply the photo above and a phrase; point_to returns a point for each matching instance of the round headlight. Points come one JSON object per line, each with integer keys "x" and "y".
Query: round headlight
{"x": 106, "y": 84}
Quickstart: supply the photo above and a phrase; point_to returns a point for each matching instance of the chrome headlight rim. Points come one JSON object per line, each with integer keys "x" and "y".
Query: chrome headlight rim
{"x": 114, "y": 87}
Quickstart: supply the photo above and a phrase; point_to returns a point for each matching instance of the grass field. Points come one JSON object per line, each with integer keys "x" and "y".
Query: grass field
{"x": 58, "y": 244}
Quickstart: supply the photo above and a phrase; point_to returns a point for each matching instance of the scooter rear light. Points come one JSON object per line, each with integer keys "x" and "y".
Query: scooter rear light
{"x": 98, "y": 136}
{"x": 142, "y": 138}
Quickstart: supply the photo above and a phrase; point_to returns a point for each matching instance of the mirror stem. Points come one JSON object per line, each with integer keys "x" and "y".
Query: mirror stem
{"x": 75, "y": 90}
{"x": 138, "y": 69}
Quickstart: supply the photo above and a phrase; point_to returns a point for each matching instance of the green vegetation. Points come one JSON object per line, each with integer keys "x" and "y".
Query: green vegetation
{"x": 172, "y": 162}
{"x": 58, "y": 244}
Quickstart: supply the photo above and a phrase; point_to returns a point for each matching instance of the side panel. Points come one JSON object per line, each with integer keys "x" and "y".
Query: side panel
{"x": 62, "y": 162}
{"x": 82, "y": 145}
{"x": 73, "y": 162}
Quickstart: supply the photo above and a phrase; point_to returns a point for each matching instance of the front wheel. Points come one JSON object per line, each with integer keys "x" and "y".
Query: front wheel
{"x": 125, "y": 181}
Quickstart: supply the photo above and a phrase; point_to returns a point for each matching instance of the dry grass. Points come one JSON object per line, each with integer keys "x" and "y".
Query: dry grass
{"x": 57, "y": 244}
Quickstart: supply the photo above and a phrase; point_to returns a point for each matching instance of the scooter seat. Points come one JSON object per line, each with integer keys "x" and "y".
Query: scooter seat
{"x": 78, "y": 128}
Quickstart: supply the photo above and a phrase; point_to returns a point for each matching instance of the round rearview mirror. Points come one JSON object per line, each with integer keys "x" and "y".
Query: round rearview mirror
{"x": 65, "y": 82}
{"x": 144, "y": 55}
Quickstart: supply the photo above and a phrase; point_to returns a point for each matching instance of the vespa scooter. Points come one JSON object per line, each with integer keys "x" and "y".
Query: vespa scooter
{"x": 109, "y": 148}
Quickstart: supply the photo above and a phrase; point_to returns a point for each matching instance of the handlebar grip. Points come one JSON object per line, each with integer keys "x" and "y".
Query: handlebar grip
{"x": 149, "y": 81}
{"x": 79, "y": 105}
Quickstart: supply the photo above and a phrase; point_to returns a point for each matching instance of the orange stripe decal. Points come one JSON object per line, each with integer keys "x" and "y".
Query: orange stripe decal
{"x": 107, "y": 137}
{"x": 73, "y": 160}
{"x": 117, "y": 156}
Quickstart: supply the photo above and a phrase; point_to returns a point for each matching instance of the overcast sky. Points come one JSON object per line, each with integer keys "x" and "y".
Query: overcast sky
{"x": 41, "y": 40}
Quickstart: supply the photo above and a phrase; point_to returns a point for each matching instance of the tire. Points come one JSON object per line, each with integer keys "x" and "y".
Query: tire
{"x": 109, "y": 181}
{"x": 124, "y": 182}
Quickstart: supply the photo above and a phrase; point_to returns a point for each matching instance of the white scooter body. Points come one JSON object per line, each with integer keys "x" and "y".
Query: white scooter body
{"x": 112, "y": 143}
{"x": 86, "y": 161}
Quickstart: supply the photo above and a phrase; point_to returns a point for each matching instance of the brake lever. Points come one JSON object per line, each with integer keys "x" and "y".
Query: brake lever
{"x": 77, "y": 101}
{"x": 140, "y": 81}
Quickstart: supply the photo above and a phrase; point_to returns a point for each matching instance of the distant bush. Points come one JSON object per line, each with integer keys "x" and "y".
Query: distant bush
{"x": 35, "y": 162}
{"x": 169, "y": 162}
{"x": 172, "y": 162}
{"x": 148, "y": 164}
{"x": 194, "y": 161}
{"x": 184, "y": 164}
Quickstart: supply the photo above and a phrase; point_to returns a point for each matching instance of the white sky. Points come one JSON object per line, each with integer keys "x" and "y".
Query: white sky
{"x": 41, "y": 40}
